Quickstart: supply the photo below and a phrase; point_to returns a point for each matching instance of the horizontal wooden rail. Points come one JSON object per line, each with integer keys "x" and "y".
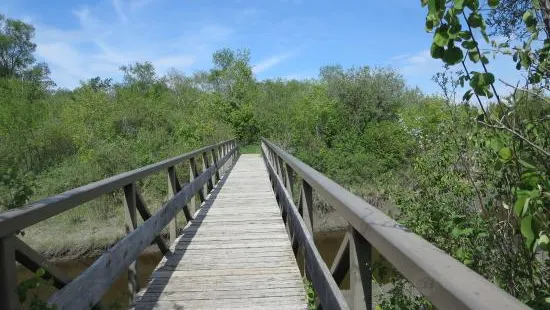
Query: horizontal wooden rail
{"x": 18, "y": 219}
{"x": 446, "y": 282}
{"x": 87, "y": 289}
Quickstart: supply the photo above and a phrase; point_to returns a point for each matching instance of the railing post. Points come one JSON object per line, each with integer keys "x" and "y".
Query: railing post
{"x": 307, "y": 205}
{"x": 289, "y": 179}
{"x": 8, "y": 274}
{"x": 131, "y": 224}
{"x": 360, "y": 274}
{"x": 171, "y": 180}
{"x": 216, "y": 176}
{"x": 192, "y": 202}
{"x": 193, "y": 174}
{"x": 205, "y": 165}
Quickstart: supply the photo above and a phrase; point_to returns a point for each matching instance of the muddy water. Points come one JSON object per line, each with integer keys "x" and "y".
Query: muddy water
{"x": 117, "y": 298}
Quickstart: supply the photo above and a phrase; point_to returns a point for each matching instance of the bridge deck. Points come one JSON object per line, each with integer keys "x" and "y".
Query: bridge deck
{"x": 235, "y": 254}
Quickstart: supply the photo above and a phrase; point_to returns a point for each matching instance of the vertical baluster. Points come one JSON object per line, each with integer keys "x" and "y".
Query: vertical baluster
{"x": 171, "y": 180}
{"x": 8, "y": 275}
{"x": 360, "y": 274}
{"x": 205, "y": 165}
{"x": 307, "y": 215}
{"x": 307, "y": 205}
{"x": 216, "y": 176}
{"x": 289, "y": 180}
{"x": 131, "y": 224}
{"x": 192, "y": 175}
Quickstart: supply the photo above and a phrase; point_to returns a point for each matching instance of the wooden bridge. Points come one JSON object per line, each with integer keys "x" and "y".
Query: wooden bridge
{"x": 248, "y": 218}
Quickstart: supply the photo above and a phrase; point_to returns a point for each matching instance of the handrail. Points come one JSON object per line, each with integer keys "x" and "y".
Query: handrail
{"x": 446, "y": 282}
{"x": 87, "y": 289}
{"x": 20, "y": 218}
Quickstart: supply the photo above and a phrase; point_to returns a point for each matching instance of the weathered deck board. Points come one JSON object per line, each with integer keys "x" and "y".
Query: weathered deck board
{"x": 234, "y": 255}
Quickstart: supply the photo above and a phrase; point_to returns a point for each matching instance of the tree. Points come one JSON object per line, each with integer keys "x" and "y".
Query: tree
{"x": 236, "y": 88}
{"x": 16, "y": 48}
{"x": 141, "y": 75}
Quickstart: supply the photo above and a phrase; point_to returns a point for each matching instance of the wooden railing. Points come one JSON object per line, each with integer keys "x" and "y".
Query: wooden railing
{"x": 87, "y": 289}
{"x": 447, "y": 283}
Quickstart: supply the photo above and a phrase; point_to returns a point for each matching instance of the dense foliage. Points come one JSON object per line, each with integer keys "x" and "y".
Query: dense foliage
{"x": 470, "y": 179}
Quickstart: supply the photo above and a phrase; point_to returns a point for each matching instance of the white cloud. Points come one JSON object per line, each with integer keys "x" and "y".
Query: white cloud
{"x": 272, "y": 61}
{"x": 117, "y": 5}
{"x": 100, "y": 44}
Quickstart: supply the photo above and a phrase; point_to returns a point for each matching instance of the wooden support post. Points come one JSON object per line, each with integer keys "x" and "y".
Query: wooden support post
{"x": 194, "y": 173}
{"x": 131, "y": 224}
{"x": 216, "y": 176}
{"x": 307, "y": 205}
{"x": 191, "y": 205}
{"x": 205, "y": 165}
{"x": 173, "y": 226}
{"x": 8, "y": 274}
{"x": 360, "y": 274}
{"x": 289, "y": 179}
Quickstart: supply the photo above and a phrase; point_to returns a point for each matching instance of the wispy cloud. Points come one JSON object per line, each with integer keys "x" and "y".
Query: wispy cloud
{"x": 93, "y": 48}
{"x": 117, "y": 5}
{"x": 272, "y": 61}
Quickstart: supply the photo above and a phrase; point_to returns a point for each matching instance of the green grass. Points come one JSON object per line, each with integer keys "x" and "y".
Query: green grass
{"x": 250, "y": 149}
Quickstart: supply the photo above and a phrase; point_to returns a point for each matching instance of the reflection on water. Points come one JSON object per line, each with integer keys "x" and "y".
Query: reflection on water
{"x": 117, "y": 298}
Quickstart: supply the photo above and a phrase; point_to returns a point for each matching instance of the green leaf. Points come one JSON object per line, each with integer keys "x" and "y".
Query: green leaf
{"x": 527, "y": 230}
{"x": 429, "y": 25}
{"x": 525, "y": 206}
{"x": 496, "y": 144}
{"x": 475, "y": 20}
{"x": 436, "y": 51}
{"x": 519, "y": 204}
{"x": 441, "y": 36}
{"x": 505, "y": 153}
{"x": 459, "y": 4}
{"x": 493, "y": 3}
{"x": 457, "y": 232}
{"x": 453, "y": 55}
{"x": 543, "y": 242}
{"x": 466, "y": 35}
{"x": 526, "y": 164}
{"x": 530, "y": 21}
{"x": 467, "y": 95}
{"x": 469, "y": 44}
{"x": 40, "y": 272}
{"x": 474, "y": 56}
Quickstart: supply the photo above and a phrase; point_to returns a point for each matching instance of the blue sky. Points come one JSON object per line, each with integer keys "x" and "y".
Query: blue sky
{"x": 81, "y": 39}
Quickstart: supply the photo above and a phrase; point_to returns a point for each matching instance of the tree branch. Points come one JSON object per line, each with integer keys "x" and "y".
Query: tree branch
{"x": 525, "y": 90}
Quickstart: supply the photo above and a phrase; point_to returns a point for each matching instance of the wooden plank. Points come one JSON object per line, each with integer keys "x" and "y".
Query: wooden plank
{"x": 168, "y": 294}
{"x": 8, "y": 276}
{"x": 284, "y": 302}
{"x": 32, "y": 260}
{"x": 17, "y": 219}
{"x": 236, "y": 250}
{"x": 96, "y": 280}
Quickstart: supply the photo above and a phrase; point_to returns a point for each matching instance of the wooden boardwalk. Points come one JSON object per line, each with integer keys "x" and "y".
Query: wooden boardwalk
{"x": 235, "y": 254}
